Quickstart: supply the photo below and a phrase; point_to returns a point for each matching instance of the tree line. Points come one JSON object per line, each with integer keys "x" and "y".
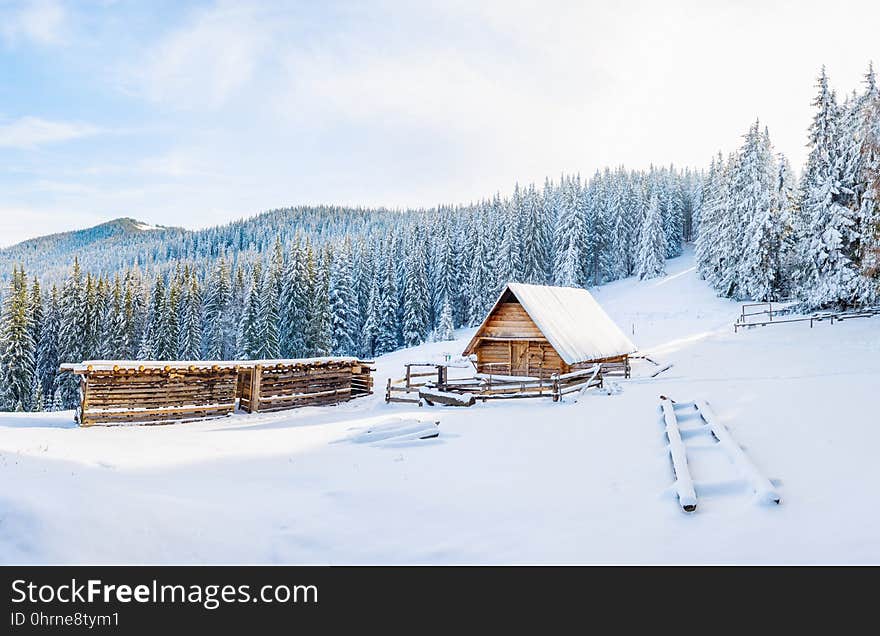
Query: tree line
{"x": 765, "y": 235}
{"x": 392, "y": 279}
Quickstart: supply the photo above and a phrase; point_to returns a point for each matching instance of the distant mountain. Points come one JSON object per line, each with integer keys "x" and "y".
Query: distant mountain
{"x": 125, "y": 242}
{"x": 44, "y": 254}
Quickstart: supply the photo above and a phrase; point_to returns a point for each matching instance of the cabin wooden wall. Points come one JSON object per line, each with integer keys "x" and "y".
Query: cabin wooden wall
{"x": 500, "y": 356}
{"x": 510, "y": 320}
{"x": 512, "y": 344}
{"x": 155, "y": 396}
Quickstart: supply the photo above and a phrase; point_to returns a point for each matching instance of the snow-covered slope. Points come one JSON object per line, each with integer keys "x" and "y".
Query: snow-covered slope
{"x": 523, "y": 481}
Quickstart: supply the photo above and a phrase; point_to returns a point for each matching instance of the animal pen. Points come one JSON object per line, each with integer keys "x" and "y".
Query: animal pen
{"x": 154, "y": 392}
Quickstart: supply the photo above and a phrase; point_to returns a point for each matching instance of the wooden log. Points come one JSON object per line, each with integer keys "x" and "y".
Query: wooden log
{"x": 433, "y": 396}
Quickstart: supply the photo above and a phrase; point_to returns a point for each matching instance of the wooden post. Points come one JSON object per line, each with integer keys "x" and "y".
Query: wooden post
{"x": 408, "y": 370}
{"x": 256, "y": 376}
{"x": 388, "y": 391}
{"x": 83, "y": 400}
{"x": 555, "y": 382}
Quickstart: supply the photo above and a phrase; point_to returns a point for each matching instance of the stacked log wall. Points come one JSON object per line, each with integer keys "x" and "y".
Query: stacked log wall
{"x": 155, "y": 396}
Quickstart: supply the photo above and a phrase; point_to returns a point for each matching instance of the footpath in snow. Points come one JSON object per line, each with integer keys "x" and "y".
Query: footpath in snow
{"x": 523, "y": 481}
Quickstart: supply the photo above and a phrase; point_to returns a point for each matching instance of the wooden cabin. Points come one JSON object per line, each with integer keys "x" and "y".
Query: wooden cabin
{"x": 159, "y": 392}
{"x": 539, "y": 330}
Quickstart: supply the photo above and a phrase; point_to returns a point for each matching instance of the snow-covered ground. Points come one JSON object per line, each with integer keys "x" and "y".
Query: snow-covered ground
{"x": 522, "y": 481}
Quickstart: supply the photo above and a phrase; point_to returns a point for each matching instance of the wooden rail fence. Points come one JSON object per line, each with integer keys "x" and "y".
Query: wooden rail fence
{"x": 413, "y": 388}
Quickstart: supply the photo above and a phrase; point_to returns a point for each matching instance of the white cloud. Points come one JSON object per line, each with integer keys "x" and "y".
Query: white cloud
{"x": 203, "y": 63}
{"x": 31, "y": 132}
{"x": 41, "y": 22}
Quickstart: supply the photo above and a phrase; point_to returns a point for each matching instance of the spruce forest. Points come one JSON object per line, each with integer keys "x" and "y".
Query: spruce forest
{"x": 315, "y": 281}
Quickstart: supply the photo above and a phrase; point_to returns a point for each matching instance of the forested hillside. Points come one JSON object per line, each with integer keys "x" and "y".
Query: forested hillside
{"x": 317, "y": 280}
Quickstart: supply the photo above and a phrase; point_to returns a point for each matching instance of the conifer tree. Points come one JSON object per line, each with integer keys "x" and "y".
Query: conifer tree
{"x": 652, "y": 243}
{"x": 17, "y": 349}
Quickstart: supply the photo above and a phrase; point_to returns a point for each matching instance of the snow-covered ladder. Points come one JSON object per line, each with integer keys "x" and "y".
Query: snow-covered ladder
{"x": 684, "y": 484}
{"x": 764, "y": 489}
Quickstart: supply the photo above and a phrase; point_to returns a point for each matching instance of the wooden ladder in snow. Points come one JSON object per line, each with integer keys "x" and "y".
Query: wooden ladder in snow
{"x": 684, "y": 484}
{"x": 763, "y": 488}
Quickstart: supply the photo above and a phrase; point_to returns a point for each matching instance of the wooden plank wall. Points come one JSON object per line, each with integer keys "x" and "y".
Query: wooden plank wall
{"x": 494, "y": 356}
{"x": 155, "y": 396}
{"x": 287, "y": 386}
{"x": 162, "y": 396}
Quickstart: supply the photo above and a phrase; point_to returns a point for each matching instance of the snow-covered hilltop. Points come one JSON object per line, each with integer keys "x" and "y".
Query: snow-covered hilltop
{"x": 523, "y": 481}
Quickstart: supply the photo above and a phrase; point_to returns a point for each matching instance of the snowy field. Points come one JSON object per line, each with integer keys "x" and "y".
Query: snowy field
{"x": 522, "y": 481}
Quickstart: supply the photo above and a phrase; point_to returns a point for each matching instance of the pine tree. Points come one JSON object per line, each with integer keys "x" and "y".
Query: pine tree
{"x": 72, "y": 325}
{"x": 480, "y": 283}
{"x": 832, "y": 274}
{"x": 415, "y": 296}
{"x": 445, "y": 328}
{"x": 370, "y": 332}
{"x": 343, "y": 304}
{"x": 759, "y": 275}
{"x": 216, "y": 307}
{"x": 250, "y": 334}
{"x": 534, "y": 239}
{"x": 386, "y": 340}
{"x": 47, "y": 355}
{"x": 17, "y": 349}
{"x": 319, "y": 329}
{"x": 191, "y": 332}
{"x": 296, "y": 287}
{"x": 652, "y": 243}
{"x": 570, "y": 247}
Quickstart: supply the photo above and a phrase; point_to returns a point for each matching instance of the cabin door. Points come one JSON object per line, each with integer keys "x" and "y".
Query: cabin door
{"x": 519, "y": 358}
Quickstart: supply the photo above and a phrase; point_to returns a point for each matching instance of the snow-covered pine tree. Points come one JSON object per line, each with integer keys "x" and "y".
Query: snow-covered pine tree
{"x": 510, "y": 257}
{"x": 671, "y": 205}
{"x": 386, "y": 340}
{"x": 190, "y": 347}
{"x": 216, "y": 306}
{"x": 70, "y": 333}
{"x": 415, "y": 294}
{"x": 343, "y": 303}
{"x": 319, "y": 326}
{"x": 17, "y": 349}
{"x": 370, "y": 331}
{"x": 47, "y": 353}
{"x": 832, "y": 273}
{"x": 597, "y": 227}
{"x": 650, "y": 262}
{"x": 481, "y": 283}
{"x": 269, "y": 309}
{"x": 571, "y": 228}
{"x": 36, "y": 313}
{"x": 296, "y": 286}
{"x": 57, "y": 401}
{"x": 445, "y": 328}
{"x": 534, "y": 239}
{"x": 869, "y": 205}
{"x": 759, "y": 275}
{"x": 250, "y": 333}
{"x": 707, "y": 231}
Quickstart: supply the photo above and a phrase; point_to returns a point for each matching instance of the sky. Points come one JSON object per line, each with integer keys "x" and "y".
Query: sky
{"x": 196, "y": 113}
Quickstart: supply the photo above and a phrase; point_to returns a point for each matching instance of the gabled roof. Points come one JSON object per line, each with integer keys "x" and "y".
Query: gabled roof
{"x": 571, "y": 320}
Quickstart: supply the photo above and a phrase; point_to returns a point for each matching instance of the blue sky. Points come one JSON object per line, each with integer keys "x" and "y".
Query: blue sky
{"x": 197, "y": 113}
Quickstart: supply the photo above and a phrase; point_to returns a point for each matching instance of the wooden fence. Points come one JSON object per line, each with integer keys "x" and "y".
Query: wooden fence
{"x": 744, "y": 320}
{"x": 414, "y": 388}
{"x": 151, "y": 392}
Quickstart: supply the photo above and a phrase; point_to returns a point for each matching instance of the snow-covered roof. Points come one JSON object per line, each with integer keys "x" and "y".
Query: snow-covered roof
{"x": 110, "y": 365}
{"x": 572, "y": 321}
